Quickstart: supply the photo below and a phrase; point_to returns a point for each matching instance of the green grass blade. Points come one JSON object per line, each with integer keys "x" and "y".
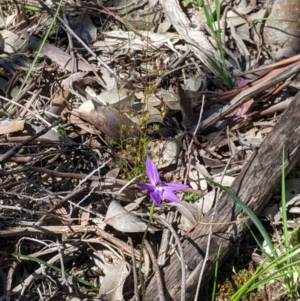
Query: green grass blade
{"x": 216, "y": 273}
{"x": 283, "y": 202}
{"x": 262, "y": 275}
{"x": 285, "y": 265}
{"x": 279, "y": 273}
{"x": 288, "y": 280}
{"x": 37, "y": 55}
{"x": 55, "y": 268}
{"x": 215, "y": 27}
{"x": 251, "y": 215}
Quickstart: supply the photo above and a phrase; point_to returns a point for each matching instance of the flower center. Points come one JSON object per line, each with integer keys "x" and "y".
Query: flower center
{"x": 159, "y": 187}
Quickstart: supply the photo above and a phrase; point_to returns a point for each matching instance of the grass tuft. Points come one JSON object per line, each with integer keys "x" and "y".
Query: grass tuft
{"x": 214, "y": 23}
{"x": 281, "y": 260}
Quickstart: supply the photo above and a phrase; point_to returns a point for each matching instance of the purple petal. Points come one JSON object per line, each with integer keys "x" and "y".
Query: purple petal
{"x": 175, "y": 186}
{"x": 155, "y": 197}
{"x": 152, "y": 172}
{"x": 145, "y": 186}
{"x": 170, "y": 196}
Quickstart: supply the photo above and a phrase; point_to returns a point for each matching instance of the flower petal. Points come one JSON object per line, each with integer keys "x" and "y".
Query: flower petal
{"x": 170, "y": 196}
{"x": 152, "y": 172}
{"x": 155, "y": 196}
{"x": 145, "y": 186}
{"x": 175, "y": 186}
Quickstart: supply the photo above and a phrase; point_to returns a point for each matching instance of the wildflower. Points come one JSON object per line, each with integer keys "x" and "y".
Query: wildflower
{"x": 159, "y": 189}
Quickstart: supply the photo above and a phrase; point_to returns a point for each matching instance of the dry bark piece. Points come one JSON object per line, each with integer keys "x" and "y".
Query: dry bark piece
{"x": 10, "y": 126}
{"x": 189, "y": 118}
{"x": 254, "y": 186}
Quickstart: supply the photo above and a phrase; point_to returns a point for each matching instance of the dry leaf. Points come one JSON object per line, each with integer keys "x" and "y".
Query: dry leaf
{"x": 87, "y": 31}
{"x": 109, "y": 121}
{"x": 117, "y": 98}
{"x": 111, "y": 288}
{"x": 122, "y": 220}
{"x": 57, "y": 55}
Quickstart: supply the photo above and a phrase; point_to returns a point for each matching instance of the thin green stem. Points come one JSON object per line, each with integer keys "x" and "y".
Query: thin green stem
{"x": 54, "y": 268}
{"x": 37, "y": 55}
{"x": 284, "y": 223}
{"x": 216, "y": 273}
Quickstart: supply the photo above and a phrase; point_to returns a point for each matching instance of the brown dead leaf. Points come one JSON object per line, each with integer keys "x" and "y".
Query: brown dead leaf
{"x": 111, "y": 122}
{"x": 57, "y": 55}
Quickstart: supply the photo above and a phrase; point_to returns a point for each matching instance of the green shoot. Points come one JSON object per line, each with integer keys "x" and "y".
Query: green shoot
{"x": 190, "y": 197}
{"x": 195, "y": 4}
{"x": 216, "y": 273}
{"x": 31, "y": 8}
{"x": 215, "y": 27}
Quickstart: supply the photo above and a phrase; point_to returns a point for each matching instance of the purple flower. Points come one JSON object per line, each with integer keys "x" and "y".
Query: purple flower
{"x": 159, "y": 189}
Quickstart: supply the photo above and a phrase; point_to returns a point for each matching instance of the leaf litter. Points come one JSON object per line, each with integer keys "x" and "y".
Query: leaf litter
{"x": 116, "y": 80}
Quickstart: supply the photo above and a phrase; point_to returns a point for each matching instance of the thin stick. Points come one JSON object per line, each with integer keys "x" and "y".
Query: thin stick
{"x": 68, "y": 28}
{"x": 69, "y": 196}
{"x": 182, "y": 260}
{"x": 160, "y": 289}
{"x": 62, "y": 265}
{"x": 135, "y": 280}
{"x": 191, "y": 143}
{"x": 16, "y": 148}
{"x": 210, "y": 233}
{"x": 66, "y": 175}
